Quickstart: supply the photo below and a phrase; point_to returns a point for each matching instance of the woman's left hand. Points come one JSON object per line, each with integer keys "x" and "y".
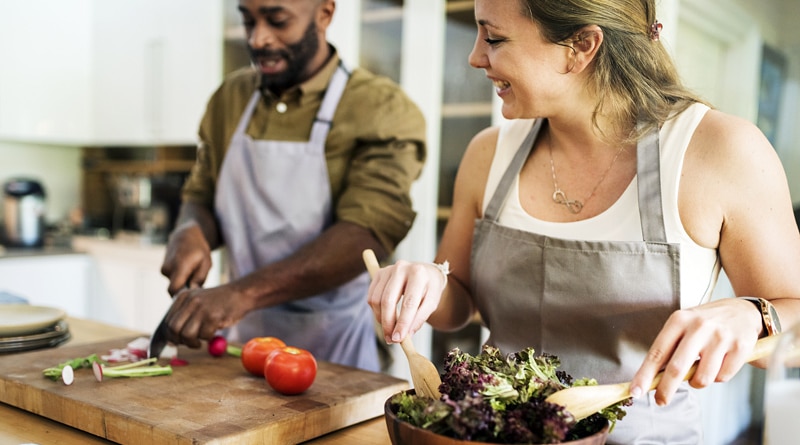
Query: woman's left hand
{"x": 719, "y": 335}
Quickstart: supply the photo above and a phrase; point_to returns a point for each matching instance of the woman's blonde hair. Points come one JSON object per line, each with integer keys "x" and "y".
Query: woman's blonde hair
{"x": 635, "y": 79}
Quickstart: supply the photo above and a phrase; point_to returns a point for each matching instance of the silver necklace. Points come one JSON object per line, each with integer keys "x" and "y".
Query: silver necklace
{"x": 559, "y": 197}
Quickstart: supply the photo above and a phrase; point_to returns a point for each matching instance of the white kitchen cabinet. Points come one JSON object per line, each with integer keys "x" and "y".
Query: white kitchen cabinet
{"x": 48, "y": 280}
{"x": 126, "y": 287}
{"x": 99, "y": 72}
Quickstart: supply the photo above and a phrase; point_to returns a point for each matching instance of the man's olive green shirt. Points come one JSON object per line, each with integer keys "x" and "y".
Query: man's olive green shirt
{"x": 374, "y": 151}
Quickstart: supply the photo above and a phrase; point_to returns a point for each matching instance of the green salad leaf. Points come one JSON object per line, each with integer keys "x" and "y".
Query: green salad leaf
{"x": 501, "y": 399}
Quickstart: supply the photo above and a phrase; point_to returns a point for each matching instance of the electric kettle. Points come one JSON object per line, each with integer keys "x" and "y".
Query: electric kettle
{"x": 23, "y": 213}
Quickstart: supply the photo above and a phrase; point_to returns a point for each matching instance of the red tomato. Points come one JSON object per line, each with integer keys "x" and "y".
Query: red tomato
{"x": 290, "y": 370}
{"x": 255, "y": 352}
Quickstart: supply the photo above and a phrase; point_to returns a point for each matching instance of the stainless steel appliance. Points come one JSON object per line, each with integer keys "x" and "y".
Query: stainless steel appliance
{"x": 23, "y": 213}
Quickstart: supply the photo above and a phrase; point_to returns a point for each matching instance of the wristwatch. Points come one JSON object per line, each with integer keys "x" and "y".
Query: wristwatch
{"x": 770, "y": 322}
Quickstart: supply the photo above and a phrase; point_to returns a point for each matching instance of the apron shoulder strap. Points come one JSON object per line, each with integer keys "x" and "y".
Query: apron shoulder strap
{"x": 330, "y": 101}
{"x": 648, "y": 174}
{"x": 501, "y": 192}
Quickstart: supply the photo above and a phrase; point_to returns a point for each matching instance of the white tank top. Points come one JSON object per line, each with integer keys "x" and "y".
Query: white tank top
{"x": 699, "y": 266}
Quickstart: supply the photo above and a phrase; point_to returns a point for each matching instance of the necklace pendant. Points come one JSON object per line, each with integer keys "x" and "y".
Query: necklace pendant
{"x": 573, "y": 205}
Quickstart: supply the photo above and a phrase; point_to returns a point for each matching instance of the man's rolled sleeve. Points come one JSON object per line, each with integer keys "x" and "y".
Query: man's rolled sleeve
{"x": 378, "y": 195}
{"x": 199, "y": 185}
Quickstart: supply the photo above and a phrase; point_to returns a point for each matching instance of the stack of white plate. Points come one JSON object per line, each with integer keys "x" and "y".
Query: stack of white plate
{"x": 25, "y": 327}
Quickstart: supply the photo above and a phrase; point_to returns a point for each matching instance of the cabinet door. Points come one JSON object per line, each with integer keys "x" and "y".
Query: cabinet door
{"x": 45, "y": 70}
{"x": 156, "y": 65}
{"x": 50, "y": 280}
{"x": 94, "y": 72}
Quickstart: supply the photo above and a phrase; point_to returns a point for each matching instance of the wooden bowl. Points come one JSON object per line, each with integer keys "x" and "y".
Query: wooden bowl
{"x": 403, "y": 433}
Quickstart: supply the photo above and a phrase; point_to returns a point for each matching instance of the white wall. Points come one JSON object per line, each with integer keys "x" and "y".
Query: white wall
{"x": 58, "y": 168}
{"x": 777, "y": 23}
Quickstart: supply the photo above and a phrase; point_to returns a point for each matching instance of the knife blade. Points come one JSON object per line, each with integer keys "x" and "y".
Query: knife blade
{"x": 159, "y": 339}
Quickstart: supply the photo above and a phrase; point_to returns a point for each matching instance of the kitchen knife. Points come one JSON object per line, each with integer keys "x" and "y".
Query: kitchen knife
{"x": 158, "y": 340}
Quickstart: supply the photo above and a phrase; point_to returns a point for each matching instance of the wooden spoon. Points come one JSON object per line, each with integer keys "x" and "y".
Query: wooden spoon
{"x": 583, "y": 401}
{"x": 424, "y": 374}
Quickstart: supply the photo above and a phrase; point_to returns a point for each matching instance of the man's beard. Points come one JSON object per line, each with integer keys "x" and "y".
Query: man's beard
{"x": 297, "y": 56}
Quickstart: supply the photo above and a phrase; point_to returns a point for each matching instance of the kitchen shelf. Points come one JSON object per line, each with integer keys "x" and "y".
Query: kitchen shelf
{"x": 167, "y": 159}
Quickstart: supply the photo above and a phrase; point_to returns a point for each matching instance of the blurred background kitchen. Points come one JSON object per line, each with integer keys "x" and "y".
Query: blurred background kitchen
{"x": 100, "y": 102}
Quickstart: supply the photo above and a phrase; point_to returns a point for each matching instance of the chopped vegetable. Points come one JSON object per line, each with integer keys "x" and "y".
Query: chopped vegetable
{"x": 97, "y": 368}
{"x": 175, "y": 361}
{"x": 65, "y": 371}
{"x": 54, "y": 373}
{"x": 67, "y": 375}
{"x": 497, "y": 399}
{"x": 235, "y": 351}
{"x": 137, "y": 369}
{"x": 138, "y": 347}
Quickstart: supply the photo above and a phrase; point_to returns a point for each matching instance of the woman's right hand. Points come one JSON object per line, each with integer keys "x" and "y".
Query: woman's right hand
{"x": 188, "y": 258}
{"x": 416, "y": 287}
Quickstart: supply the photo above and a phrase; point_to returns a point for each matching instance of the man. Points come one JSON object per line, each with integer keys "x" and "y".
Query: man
{"x": 301, "y": 166}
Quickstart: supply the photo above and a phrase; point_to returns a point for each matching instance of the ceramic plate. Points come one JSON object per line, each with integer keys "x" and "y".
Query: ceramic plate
{"x": 38, "y": 344}
{"x": 50, "y": 332}
{"x": 21, "y": 319}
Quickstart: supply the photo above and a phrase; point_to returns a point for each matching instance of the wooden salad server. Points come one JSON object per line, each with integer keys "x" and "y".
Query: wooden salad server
{"x": 583, "y": 401}
{"x": 424, "y": 374}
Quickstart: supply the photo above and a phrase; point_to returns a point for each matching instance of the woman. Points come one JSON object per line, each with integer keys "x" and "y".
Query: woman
{"x": 594, "y": 224}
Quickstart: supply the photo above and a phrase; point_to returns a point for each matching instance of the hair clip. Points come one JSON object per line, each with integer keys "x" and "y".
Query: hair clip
{"x": 655, "y": 31}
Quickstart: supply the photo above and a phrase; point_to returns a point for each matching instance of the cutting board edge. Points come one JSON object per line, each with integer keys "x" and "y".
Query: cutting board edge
{"x": 302, "y": 429}
{"x": 43, "y": 397}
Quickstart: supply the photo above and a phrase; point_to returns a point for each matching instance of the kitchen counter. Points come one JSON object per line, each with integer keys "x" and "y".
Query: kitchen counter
{"x": 28, "y": 252}
{"x": 22, "y": 427}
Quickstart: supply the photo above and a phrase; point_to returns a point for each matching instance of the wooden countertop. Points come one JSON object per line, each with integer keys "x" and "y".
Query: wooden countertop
{"x": 22, "y": 427}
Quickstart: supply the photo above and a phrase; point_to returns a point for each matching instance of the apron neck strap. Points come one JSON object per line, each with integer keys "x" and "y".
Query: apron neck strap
{"x": 324, "y": 117}
{"x": 333, "y": 94}
{"x": 648, "y": 174}
{"x": 492, "y": 212}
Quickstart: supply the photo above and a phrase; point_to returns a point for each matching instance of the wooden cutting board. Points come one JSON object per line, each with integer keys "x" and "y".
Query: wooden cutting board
{"x": 210, "y": 401}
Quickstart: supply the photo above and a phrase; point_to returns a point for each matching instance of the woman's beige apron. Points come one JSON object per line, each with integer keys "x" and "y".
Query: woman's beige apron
{"x": 272, "y": 198}
{"x": 597, "y": 305}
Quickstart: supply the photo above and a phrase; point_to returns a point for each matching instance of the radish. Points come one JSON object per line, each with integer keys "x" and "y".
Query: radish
{"x": 217, "y": 346}
{"x": 67, "y": 375}
{"x": 175, "y": 361}
{"x": 97, "y": 368}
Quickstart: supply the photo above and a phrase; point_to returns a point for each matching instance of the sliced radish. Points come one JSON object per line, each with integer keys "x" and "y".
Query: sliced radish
{"x": 138, "y": 347}
{"x": 175, "y": 361}
{"x": 169, "y": 351}
{"x": 67, "y": 375}
{"x": 98, "y": 371}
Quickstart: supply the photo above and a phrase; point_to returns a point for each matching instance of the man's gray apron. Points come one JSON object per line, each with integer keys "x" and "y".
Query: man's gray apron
{"x": 272, "y": 198}
{"x": 597, "y": 305}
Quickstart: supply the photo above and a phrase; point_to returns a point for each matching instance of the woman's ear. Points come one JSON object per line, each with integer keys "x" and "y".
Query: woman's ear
{"x": 585, "y": 45}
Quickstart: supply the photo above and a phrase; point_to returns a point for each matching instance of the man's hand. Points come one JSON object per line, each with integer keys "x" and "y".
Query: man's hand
{"x": 197, "y": 314}
{"x": 188, "y": 258}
